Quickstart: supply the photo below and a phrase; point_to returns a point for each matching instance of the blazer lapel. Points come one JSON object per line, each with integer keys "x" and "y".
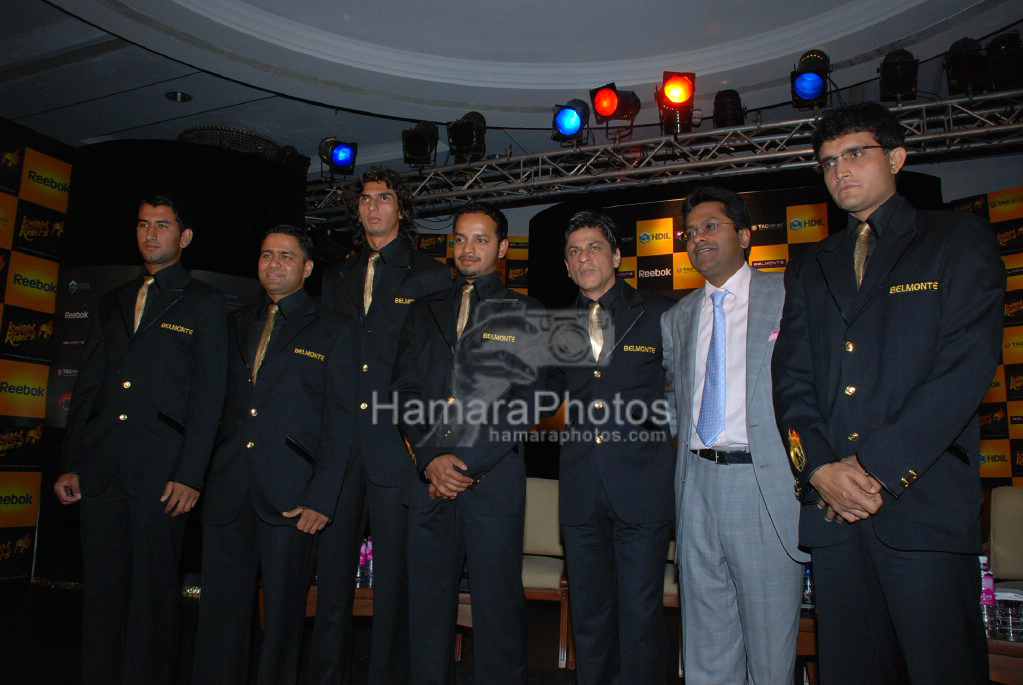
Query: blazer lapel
{"x": 126, "y": 297}
{"x": 685, "y": 335}
{"x": 760, "y": 319}
{"x": 439, "y": 311}
{"x": 386, "y": 284}
{"x": 289, "y": 329}
{"x": 837, "y": 267}
{"x": 244, "y": 323}
{"x": 624, "y": 319}
{"x": 351, "y": 285}
{"x": 886, "y": 255}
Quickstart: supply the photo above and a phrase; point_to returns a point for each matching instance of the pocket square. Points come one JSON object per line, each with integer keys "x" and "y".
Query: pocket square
{"x": 773, "y": 336}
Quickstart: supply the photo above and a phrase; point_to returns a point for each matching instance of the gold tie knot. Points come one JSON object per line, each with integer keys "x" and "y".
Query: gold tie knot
{"x": 272, "y": 309}
{"x": 596, "y": 332}
{"x": 463, "y": 310}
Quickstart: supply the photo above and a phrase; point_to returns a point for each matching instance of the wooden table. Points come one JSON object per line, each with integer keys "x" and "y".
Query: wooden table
{"x": 1005, "y": 658}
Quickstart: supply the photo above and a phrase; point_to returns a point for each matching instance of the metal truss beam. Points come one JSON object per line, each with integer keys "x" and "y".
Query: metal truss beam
{"x": 954, "y": 128}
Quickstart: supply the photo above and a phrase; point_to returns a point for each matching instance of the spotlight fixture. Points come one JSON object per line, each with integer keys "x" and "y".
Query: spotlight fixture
{"x": 898, "y": 76}
{"x": 338, "y": 156}
{"x": 809, "y": 80}
{"x": 675, "y": 102}
{"x": 571, "y": 122}
{"x": 728, "y": 109}
{"x": 611, "y": 104}
{"x": 467, "y": 137}
{"x": 1005, "y": 57}
{"x": 419, "y": 144}
{"x": 966, "y": 68}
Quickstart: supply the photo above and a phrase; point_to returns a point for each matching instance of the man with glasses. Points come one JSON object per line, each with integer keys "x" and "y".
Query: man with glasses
{"x": 739, "y": 568}
{"x": 889, "y": 338}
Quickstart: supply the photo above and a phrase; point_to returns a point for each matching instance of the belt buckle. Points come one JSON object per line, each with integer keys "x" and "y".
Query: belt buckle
{"x": 720, "y": 457}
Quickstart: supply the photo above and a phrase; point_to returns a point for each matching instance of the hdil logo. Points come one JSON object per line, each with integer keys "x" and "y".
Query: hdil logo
{"x": 796, "y": 224}
{"x": 799, "y": 224}
{"x": 646, "y": 238}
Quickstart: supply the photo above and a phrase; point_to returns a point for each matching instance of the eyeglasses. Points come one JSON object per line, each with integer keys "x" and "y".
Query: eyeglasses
{"x": 707, "y": 228}
{"x": 851, "y": 156}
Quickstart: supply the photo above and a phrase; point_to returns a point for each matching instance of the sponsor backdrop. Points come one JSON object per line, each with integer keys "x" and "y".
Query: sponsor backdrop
{"x": 1001, "y": 414}
{"x": 35, "y": 180}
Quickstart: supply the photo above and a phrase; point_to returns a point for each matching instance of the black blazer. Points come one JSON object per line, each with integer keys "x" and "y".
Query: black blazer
{"x": 635, "y": 460}
{"x": 894, "y": 373}
{"x": 285, "y": 439}
{"x": 404, "y": 275}
{"x": 492, "y": 366}
{"x": 146, "y": 404}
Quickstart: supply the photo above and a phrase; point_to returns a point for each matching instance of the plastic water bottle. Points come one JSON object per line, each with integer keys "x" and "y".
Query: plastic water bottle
{"x": 360, "y": 573}
{"x": 369, "y": 561}
{"x": 987, "y": 596}
{"x": 809, "y": 596}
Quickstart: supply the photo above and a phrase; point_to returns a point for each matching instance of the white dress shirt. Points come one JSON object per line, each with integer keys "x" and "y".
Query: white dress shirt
{"x": 736, "y": 308}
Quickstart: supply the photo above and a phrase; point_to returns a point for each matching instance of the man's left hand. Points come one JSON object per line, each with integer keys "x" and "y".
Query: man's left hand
{"x": 179, "y": 497}
{"x": 309, "y": 521}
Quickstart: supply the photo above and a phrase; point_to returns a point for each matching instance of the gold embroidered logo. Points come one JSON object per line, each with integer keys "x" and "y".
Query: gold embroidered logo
{"x": 312, "y": 355}
{"x": 913, "y": 287}
{"x": 640, "y": 348}
{"x": 796, "y": 454}
{"x": 404, "y": 300}
{"x": 176, "y": 328}
{"x": 499, "y": 337}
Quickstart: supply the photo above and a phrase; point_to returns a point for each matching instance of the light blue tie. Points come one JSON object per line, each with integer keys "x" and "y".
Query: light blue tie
{"x": 712, "y": 406}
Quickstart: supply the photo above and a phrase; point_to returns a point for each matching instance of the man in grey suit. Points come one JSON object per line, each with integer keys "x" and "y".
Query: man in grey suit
{"x": 737, "y": 517}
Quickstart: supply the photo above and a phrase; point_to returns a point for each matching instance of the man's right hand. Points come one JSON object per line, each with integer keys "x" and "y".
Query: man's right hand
{"x": 67, "y": 489}
{"x": 848, "y": 490}
{"x": 447, "y": 476}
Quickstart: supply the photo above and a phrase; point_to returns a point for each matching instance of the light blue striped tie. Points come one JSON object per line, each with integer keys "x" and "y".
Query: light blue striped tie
{"x": 712, "y": 406}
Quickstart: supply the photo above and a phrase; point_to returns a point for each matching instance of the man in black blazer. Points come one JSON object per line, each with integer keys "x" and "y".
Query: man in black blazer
{"x": 616, "y": 467}
{"x": 463, "y": 368}
{"x": 379, "y": 465}
{"x": 273, "y": 484}
{"x": 139, "y": 435}
{"x": 889, "y": 337}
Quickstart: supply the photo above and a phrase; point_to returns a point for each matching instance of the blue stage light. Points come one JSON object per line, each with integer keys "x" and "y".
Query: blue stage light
{"x": 338, "y": 156}
{"x": 809, "y": 80}
{"x": 571, "y": 122}
{"x": 809, "y": 86}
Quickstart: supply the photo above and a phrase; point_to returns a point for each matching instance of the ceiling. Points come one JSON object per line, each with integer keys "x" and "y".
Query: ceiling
{"x": 87, "y": 71}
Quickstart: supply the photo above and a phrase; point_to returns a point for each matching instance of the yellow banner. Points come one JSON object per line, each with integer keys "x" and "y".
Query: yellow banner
{"x": 19, "y": 498}
{"x": 45, "y": 180}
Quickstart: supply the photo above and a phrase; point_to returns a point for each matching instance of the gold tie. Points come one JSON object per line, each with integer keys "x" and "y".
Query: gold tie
{"x": 596, "y": 334}
{"x": 367, "y": 288}
{"x": 860, "y": 251}
{"x": 264, "y": 339}
{"x": 140, "y": 301}
{"x": 463, "y": 310}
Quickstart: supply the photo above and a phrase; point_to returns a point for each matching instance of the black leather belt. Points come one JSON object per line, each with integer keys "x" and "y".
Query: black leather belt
{"x": 722, "y": 457}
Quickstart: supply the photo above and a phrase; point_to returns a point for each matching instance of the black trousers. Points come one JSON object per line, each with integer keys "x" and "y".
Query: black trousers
{"x": 873, "y": 600}
{"x": 337, "y": 555}
{"x": 132, "y": 595}
{"x": 233, "y": 555}
{"x": 616, "y": 576}
{"x": 441, "y": 540}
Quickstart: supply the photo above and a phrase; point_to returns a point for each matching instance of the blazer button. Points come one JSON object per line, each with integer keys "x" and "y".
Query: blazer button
{"x": 365, "y": 368}
{"x": 904, "y": 481}
{"x": 451, "y": 400}
{"x": 254, "y": 412}
{"x": 126, "y": 385}
{"x": 598, "y": 405}
{"x": 122, "y": 417}
{"x": 849, "y": 347}
{"x": 850, "y": 390}
{"x": 447, "y": 434}
{"x": 363, "y": 405}
{"x": 600, "y": 439}
{"x": 596, "y": 373}
{"x": 854, "y": 436}
{"x": 249, "y": 445}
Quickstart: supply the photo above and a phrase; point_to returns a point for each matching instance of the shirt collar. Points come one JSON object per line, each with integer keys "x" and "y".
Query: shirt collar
{"x": 167, "y": 277}
{"x": 285, "y": 306}
{"x": 881, "y": 217}
{"x": 737, "y": 285}
{"x": 396, "y": 253}
{"x": 487, "y": 287}
{"x": 608, "y": 301}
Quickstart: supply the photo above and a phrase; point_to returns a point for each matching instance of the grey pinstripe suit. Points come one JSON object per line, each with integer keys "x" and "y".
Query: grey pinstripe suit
{"x": 736, "y": 524}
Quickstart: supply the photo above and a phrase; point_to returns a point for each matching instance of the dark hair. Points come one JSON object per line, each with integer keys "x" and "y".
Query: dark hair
{"x": 305, "y": 241}
{"x": 483, "y": 208}
{"x": 862, "y": 117}
{"x": 735, "y": 208}
{"x": 181, "y": 212}
{"x": 589, "y": 218}
{"x": 393, "y": 180}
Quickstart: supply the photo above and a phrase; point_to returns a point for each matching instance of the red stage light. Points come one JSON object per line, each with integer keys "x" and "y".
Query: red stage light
{"x": 678, "y": 89}
{"x": 605, "y": 102}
